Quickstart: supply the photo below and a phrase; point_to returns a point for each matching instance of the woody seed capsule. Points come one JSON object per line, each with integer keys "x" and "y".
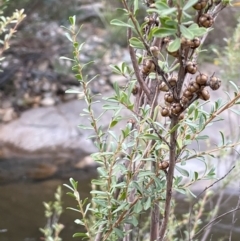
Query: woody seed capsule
{"x": 165, "y": 111}
{"x": 201, "y": 79}
{"x": 214, "y": 83}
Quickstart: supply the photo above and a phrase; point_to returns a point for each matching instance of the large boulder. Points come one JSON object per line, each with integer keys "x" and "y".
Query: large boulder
{"x": 47, "y": 131}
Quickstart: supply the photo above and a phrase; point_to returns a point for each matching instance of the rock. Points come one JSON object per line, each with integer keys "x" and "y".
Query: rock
{"x": 68, "y": 97}
{"x": 86, "y": 162}
{"x": 53, "y": 131}
{"x": 48, "y": 131}
{"x": 6, "y": 104}
{"x": 9, "y": 115}
{"x": 47, "y": 101}
{"x": 42, "y": 171}
{"x": 46, "y": 86}
{"x": 118, "y": 78}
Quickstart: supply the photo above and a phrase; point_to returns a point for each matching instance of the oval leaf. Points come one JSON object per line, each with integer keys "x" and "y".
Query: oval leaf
{"x": 186, "y": 32}
{"x": 175, "y": 45}
{"x": 164, "y": 32}
{"x": 136, "y": 43}
{"x": 120, "y": 23}
{"x": 184, "y": 172}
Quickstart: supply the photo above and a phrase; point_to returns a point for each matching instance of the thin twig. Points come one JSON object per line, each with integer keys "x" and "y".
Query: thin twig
{"x": 217, "y": 113}
{"x": 215, "y": 219}
{"x": 205, "y": 189}
{"x": 233, "y": 218}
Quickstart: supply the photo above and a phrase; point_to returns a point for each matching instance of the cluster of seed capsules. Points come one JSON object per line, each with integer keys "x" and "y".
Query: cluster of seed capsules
{"x": 195, "y": 88}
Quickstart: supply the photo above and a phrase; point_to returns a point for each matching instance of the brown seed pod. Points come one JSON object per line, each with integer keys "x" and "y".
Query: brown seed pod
{"x": 193, "y": 87}
{"x": 145, "y": 70}
{"x": 204, "y": 94}
{"x": 168, "y": 97}
{"x": 150, "y": 65}
{"x": 149, "y": 20}
{"x": 166, "y": 40}
{"x": 184, "y": 101}
{"x": 214, "y": 83}
{"x": 186, "y": 42}
{"x": 187, "y": 94}
{"x": 201, "y": 79}
{"x": 175, "y": 53}
{"x": 191, "y": 67}
{"x": 135, "y": 90}
{"x": 181, "y": 116}
{"x": 201, "y": 4}
{"x": 206, "y": 20}
{"x": 176, "y": 108}
{"x": 154, "y": 50}
{"x": 172, "y": 81}
{"x": 165, "y": 111}
{"x": 132, "y": 121}
{"x": 163, "y": 87}
{"x": 163, "y": 165}
{"x": 153, "y": 5}
{"x": 195, "y": 43}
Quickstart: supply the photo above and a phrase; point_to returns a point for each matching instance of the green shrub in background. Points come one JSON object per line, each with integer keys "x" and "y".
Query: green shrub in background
{"x": 8, "y": 25}
{"x": 53, "y": 211}
{"x": 144, "y": 164}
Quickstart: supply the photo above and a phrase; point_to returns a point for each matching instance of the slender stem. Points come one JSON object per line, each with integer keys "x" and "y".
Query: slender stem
{"x": 170, "y": 175}
{"x": 216, "y": 113}
{"x": 214, "y": 220}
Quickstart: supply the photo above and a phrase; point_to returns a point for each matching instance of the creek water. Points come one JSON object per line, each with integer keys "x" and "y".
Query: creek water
{"x": 22, "y": 211}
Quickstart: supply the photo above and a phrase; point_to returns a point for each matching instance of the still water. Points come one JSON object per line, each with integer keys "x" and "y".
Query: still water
{"x": 22, "y": 212}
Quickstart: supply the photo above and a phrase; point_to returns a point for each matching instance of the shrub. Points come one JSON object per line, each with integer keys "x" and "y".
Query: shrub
{"x": 166, "y": 94}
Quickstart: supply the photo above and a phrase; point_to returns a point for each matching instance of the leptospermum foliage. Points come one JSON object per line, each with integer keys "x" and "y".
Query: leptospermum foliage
{"x": 166, "y": 93}
{"x": 8, "y": 26}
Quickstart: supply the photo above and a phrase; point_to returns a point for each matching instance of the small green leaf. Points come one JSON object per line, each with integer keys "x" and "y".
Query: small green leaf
{"x": 234, "y": 85}
{"x": 70, "y": 91}
{"x": 175, "y": 45}
{"x": 132, "y": 220}
{"x": 147, "y": 204}
{"x": 164, "y": 32}
{"x": 136, "y": 43}
{"x": 195, "y": 176}
{"x": 69, "y": 37}
{"x": 66, "y": 58}
{"x": 196, "y": 30}
{"x": 150, "y": 137}
{"x": 118, "y": 232}
{"x": 204, "y": 137}
{"x": 74, "y": 209}
{"x": 78, "y": 221}
{"x": 138, "y": 207}
{"x": 181, "y": 190}
{"x": 186, "y": 32}
{"x": 223, "y": 139}
{"x": 174, "y": 128}
{"x": 191, "y": 193}
{"x": 136, "y": 7}
{"x": 189, "y": 4}
{"x": 72, "y": 20}
{"x": 184, "y": 172}
{"x": 118, "y": 22}
{"x": 80, "y": 235}
{"x": 73, "y": 183}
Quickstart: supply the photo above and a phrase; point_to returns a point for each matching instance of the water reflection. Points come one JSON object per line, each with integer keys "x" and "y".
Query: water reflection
{"x": 22, "y": 212}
